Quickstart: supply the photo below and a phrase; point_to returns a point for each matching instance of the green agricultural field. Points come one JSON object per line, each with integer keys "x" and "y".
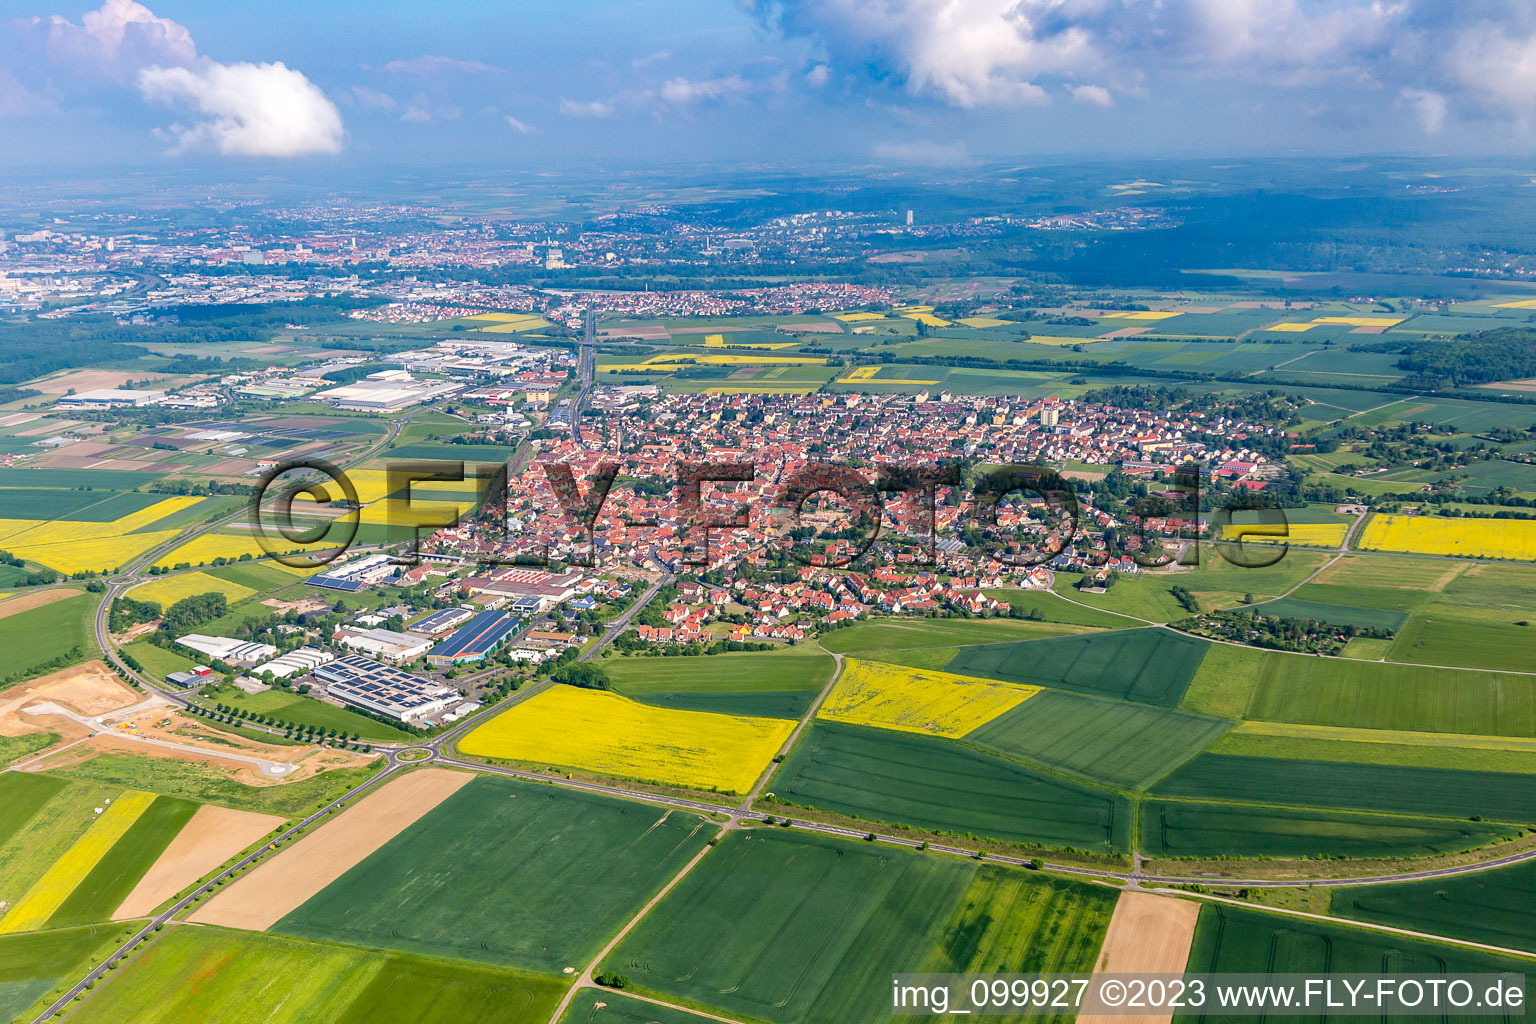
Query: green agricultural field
{"x": 1391, "y": 572}
{"x": 939, "y": 785}
{"x": 1433, "y": 638}
{"x": 779, "y": 684}
{"x": 17, "y": 748}
{"x": 44, "y": 836}
{"x": 1152, "y": 666}
{"x": 260, "y": 578}
{"x": 33, "y": 963}
{"x": 1007, "y": 920}
{"x": 1215, "y": 583}
{"x": 84, "y": 506}
{"x": 207, "y": 784}
{"x": 1436, "y": 792}
{"x": 226, "y": 977}
{"x": 1357, "y": 596}
{"x": 794, "y": 929}
{"x": 1333, "y": 614}
{"x": 54, "y": 634}
{"x": 508, "y": 873}
{"x": 1492, "y": 907}
{"x": 1053, "y": 607}
{"x": 1381, "y": 746}
{"x": 158, "y": 661}
{"x": 1176, "y": 829}
{"x": 598, "y": 1006}
{"x": 1370, "y": 695}
{"x": 1238, "y": 940}
{"x": 1366, "y": 648}
{"x": 96, "y": 479}
{"x": 1224, "y": 682}
{"x": 1114, "y": 742}
{"x": 22, "y": 795}
{"x": 103, "y": 890}
{"x": 907, "y": 634}
{"x": 293, "y": 707}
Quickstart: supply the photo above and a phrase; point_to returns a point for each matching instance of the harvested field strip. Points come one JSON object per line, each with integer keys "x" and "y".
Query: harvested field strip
{"x": 280, "y": 884}
{"x": 36, "y": 599}
{"x": 1496, "y": 796}
{"x": 48, "y": 893}
{"x": 212, "y": 836}
{"x": 936, "y": 784}
{"x": 1179, "y": 829}
{"x": 598, "y": 731}
{"x": 1148, "y": 934}
{"x": 1116, "y": 742}
{"x": 100, "y": 892}
{"x": 914, "y": 700}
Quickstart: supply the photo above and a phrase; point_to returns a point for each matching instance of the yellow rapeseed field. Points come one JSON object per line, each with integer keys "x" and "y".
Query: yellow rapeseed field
{"x": 48, "y": 893}
{"x": 927, "y": 318}
{"x": 1321, "y": 535}
{"x": 982, "y": 321}
{"x": 170, "y": 589}
{"x": 1521, "y": 304}
{"x": 857, "y": 316}
{"x": 97, "y": 554}
{"x": 918, "y": 700}
{"x": 1360, "y": 321}
{"x": 204, "y": 549}
{"x": 1432, "y": 535}
{"x": 1290, "y": 328}
{"x": 76, "y": 546}
{"x": 603, "y": 732}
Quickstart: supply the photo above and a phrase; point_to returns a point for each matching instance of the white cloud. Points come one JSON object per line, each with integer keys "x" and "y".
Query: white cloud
{"x": 115, "y": 40}
{"x": 650, "y": 58}
{"x": 591, "y": 108}
{"x": 521, "y": 127}
{"x": 1469, "y": 61}
{"x": 1093, "y": 95}
{"x": 682, "y": 91}
{"x": 374, "y": 98}
{"x": 818, "y": 76}
{"x": 260, "y": 110}
{"x": 1428, "y": 107}
{"x": 435, "y": 65}
{"x": 933, "y": 154}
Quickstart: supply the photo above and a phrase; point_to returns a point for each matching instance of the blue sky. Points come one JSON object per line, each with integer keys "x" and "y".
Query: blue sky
{"x": 640, "y": 82}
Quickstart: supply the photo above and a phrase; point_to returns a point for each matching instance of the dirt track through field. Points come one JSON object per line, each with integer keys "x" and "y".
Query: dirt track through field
{"x": 213, "y": 836}
{"x": 1147, "y": 935}
{"x": 282, "y": 884}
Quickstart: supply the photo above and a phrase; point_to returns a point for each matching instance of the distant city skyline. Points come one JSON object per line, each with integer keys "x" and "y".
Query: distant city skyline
{"x": 890, "y": 82}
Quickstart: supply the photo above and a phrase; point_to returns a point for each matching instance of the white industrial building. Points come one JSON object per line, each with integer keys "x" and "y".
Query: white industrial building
{"x": 108, "y": 398}
{"x": 298, "y": 662}
{"x": 384, "y": 644}
{"x": 227, "y": 648}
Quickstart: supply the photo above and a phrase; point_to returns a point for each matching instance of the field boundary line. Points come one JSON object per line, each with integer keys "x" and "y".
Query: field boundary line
{"x": 584, "y": 979}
